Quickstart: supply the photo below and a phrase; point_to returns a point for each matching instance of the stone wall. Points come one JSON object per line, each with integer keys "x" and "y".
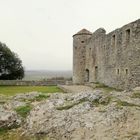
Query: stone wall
{"x": 31, "y": 83}
{"x": 114, "y": 58}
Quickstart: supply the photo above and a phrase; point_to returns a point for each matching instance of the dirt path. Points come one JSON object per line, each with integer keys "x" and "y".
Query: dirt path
{"x": 76, "y": 88}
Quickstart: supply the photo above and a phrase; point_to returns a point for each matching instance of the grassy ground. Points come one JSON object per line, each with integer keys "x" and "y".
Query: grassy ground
{"x": 13, "y": 90}
{"x": 13, "y": 134}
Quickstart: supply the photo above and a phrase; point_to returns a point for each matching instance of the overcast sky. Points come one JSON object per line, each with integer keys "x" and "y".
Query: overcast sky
{"x": 40, "y": 31}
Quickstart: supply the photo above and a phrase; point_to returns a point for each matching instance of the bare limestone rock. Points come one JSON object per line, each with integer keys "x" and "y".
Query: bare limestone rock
{"x": 8, "y": 116}
{"x": 30, "y": 95}
{"x": 21, "y": 100}
{"x": 137, "y": 89}
{"x": 8, "y": 119}
{"x": 85, "y": 116}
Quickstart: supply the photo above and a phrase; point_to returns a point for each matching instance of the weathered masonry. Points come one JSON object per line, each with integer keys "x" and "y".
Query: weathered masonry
{"x": 112, "y": 59}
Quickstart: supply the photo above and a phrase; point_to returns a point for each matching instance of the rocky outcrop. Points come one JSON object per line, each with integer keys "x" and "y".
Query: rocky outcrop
{"x": 8, "y": 119}
{"x": 85, "y": 116}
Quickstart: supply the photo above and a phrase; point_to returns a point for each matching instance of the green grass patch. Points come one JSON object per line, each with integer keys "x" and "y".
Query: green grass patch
{"x": 40, "y": 97}
{"x": 3, "y": 130}
{"x": 23, "y": 111}
{"x": 13, "y": 90}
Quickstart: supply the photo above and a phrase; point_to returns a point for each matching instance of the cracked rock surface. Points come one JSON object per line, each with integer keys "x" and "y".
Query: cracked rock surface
{"x": 87, "y": 115}
{"x": 8, "y": 118}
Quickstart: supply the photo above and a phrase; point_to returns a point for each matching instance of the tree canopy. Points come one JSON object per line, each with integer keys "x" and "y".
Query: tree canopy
{"x": 10, "y": 65}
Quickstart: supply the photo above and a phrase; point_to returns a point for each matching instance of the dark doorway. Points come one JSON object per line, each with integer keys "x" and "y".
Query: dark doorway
{"x": 87, "y": 75}
{"x": 96, "y": 73}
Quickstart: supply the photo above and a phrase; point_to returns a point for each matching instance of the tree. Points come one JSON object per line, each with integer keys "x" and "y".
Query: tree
{"x": 10, "y": 65}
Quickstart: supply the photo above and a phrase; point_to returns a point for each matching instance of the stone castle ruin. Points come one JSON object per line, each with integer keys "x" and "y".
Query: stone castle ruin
{"x": 112, "y": 59}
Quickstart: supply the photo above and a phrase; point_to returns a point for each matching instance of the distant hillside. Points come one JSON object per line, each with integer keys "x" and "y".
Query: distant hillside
{"x": 45, "y": 74}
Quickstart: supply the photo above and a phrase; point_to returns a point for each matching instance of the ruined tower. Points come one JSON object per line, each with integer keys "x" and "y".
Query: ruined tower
{"x": 79, "y": 55}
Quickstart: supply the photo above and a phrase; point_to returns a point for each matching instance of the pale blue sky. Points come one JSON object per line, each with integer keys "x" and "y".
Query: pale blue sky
{"x": 40, "y": 31}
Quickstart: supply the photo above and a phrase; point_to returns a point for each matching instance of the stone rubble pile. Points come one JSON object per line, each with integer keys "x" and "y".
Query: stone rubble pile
{"x": 83, "y": 116}
{"x": 8, "y": 119}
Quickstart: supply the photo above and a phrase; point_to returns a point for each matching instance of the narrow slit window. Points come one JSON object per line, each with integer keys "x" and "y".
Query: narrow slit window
{"x": 128, "y": 35}
{"x": 121, "y": 37}
{"x": 118, "y": 71}
{"x": 126, "y": 71}
{"x": 104, "y": 47}
{"x": 113, "y": 40}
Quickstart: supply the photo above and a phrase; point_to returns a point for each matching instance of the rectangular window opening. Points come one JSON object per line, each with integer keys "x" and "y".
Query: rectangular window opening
{"x": 126, "y": 71}
{"x": 128, "y": 35}
{"x": 113, "y": 40}
{"x": 96, "y": 72}
{"x": 118, "y": 71}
